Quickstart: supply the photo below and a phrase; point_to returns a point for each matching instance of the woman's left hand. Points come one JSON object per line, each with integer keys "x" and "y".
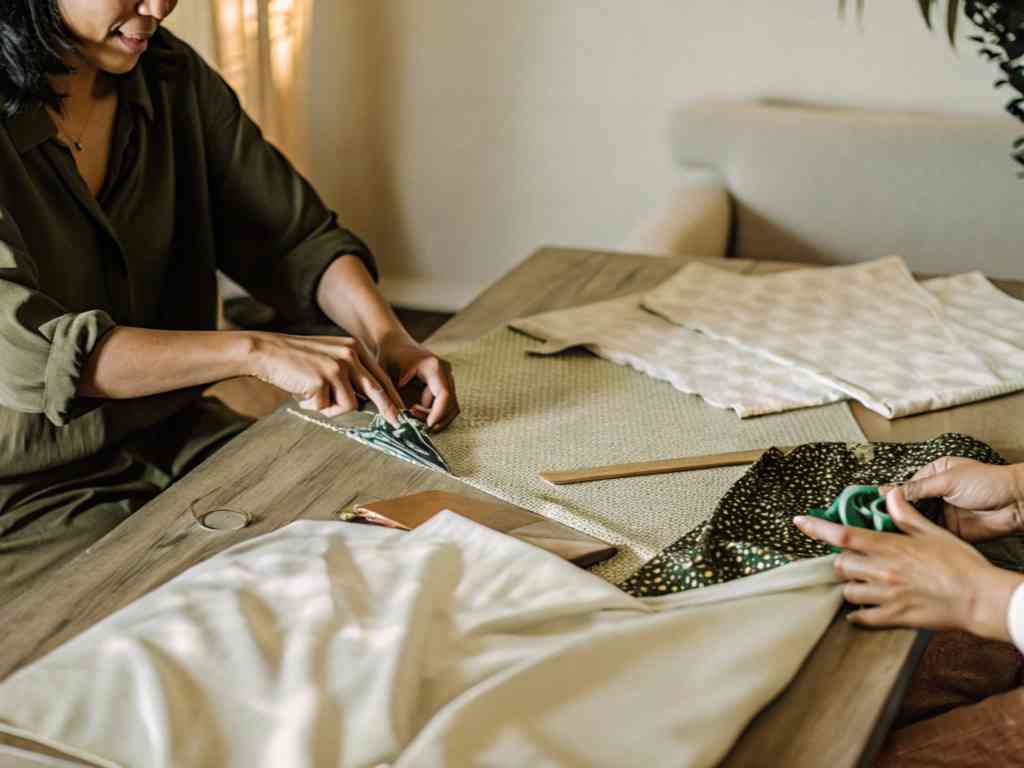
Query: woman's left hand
{"x": 405, "y": 360}
{"x": 927, "y": 579}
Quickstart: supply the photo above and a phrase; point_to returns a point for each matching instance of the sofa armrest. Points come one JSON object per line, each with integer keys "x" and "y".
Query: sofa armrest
{"x": 694, "y": 220}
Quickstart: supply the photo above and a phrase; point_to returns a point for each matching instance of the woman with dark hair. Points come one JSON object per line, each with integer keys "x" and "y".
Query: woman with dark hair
{"x": 128, "y": 175}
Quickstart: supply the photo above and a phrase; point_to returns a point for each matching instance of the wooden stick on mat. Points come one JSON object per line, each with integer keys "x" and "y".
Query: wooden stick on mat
{"x": 639, "y": 469}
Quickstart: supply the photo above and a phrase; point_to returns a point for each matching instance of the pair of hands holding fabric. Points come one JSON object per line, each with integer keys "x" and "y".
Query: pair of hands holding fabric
{"x": 932, "y": 578}
{"x": 331, "y": 374}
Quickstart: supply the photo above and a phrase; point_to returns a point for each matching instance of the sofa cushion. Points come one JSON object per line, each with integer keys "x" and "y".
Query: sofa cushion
{"x": 830, "y": 185}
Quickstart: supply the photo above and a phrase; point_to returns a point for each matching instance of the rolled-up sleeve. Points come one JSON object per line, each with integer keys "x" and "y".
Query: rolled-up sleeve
{"x": 43, "y": 346}
{"x": 275, "y": 236}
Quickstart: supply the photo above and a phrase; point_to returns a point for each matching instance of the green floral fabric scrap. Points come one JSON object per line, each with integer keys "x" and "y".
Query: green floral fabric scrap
{"x": 407, "y": 441}
{"x": 859, "y": 506}
{"x": 751, "y": 529}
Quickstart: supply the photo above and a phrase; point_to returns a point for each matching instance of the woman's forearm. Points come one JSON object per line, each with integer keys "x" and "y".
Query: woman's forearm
{"x": 135, "y": 362}
{"x": 348, "y": 296}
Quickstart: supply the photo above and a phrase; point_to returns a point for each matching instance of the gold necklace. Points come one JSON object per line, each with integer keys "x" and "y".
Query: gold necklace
{"x": 77, "y": 143}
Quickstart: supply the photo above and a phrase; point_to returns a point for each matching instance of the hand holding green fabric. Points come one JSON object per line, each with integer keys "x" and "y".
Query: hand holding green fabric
{"x": 859, "y": 506}
{"x": 928, "y": 578}
{"x": 982, "y": 501}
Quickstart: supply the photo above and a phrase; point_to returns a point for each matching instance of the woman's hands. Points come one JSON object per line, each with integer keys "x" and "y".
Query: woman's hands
{"x": 347, "y": 295}
{"x": 407, "y": 361}
{"x": 325, "y": 373}
{"x": 928, "y": 578}
{"x": 330, "y": 373}
{"x": 983, "y": 501}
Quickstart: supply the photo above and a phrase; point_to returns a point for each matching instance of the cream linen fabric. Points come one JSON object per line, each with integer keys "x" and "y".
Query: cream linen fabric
{"x": 869, "y": 330}
{"x": 326, "y": 644}
{"x": 726, "y": 376}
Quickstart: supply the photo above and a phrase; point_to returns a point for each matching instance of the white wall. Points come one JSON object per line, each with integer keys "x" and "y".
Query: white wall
{"x": 459, "y": 135}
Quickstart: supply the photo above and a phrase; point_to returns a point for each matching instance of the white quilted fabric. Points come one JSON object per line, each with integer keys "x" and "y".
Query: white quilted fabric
{"x": 765, "y": 344}
{"x": 726, "y": 376}
{"x": 868, "y": 330}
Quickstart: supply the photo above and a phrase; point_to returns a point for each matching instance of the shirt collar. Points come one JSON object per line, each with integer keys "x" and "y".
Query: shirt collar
{"x": 30, "y": 128}
{"x": 33, "y": 125}
{"x": 133, "y": 89}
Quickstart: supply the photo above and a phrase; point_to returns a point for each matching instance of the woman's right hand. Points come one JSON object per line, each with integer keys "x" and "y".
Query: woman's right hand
{"x": 983, "y": 501}
{"x": 324, "y": 373}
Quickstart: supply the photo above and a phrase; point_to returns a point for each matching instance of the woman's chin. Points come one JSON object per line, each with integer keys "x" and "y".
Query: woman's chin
{"x": 110, "y": 57}
{"x": 118, "y": 64}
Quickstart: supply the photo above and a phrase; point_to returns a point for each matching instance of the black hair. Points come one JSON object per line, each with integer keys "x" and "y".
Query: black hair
{"x": 34, "y": 44}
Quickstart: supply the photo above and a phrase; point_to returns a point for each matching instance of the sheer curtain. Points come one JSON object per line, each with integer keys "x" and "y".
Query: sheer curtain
{"x": 262, "y": 51}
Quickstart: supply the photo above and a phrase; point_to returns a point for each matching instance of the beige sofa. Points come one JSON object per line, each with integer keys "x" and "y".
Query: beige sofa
{"x": 800, "y": 183}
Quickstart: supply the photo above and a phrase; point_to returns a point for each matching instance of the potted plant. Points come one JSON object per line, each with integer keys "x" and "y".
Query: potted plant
{"x": 1000, "y": 39}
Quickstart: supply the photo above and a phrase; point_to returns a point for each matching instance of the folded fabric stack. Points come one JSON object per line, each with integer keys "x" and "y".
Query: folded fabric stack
{"x": 764, "y": 344}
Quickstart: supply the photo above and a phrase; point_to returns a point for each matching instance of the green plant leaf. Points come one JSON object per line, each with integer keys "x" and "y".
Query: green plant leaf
{"x": 926, "y": 11}
{"x": 952, "y": 15}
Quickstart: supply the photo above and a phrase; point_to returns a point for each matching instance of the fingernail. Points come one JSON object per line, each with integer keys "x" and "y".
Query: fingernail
{"x": 799, "y": 520}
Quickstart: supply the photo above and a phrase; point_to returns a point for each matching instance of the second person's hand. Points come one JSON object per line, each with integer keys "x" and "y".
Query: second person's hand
{"x": 927, "y": 578}
{"x": 983, "y": 501}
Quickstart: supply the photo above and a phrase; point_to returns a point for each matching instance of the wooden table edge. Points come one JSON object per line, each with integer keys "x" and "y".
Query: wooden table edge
{"x": 891, "y": 707}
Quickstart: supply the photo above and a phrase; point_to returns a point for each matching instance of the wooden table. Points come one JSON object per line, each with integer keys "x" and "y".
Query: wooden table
{"x": 835, "y": 712}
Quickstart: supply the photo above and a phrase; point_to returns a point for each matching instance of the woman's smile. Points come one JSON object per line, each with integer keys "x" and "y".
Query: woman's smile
{"x": 133, "y": 42}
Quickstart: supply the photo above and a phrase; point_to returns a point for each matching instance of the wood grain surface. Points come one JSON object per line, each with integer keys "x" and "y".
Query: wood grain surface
{"x": 834, "y": 712}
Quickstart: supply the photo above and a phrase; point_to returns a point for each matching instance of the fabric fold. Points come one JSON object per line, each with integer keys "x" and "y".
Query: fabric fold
{"x": 340, "y": 644}
{"x": 868, "y": 330}
{"x": 773, "y": 343}
{"x": 623, "y": 332}
{"x": 72, "y": 339}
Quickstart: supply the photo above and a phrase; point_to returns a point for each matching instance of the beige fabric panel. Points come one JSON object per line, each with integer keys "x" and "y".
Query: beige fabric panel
{"x": 838, "y": 186}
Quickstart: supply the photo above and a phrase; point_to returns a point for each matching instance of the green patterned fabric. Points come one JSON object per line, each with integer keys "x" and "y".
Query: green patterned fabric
{"x": 858, "y": 506}
{"x": 751, "y": 529}
{"x": 408, "y": 441}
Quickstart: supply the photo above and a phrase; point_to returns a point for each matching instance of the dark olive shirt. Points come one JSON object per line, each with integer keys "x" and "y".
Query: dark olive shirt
{"x": 191, "y": 187}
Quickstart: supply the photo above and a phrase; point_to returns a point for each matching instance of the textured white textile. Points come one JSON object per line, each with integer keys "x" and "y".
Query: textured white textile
{"x": 326, "y": 644}
{"x": 868, "y": 330}
{"x": 726, "y": 376}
